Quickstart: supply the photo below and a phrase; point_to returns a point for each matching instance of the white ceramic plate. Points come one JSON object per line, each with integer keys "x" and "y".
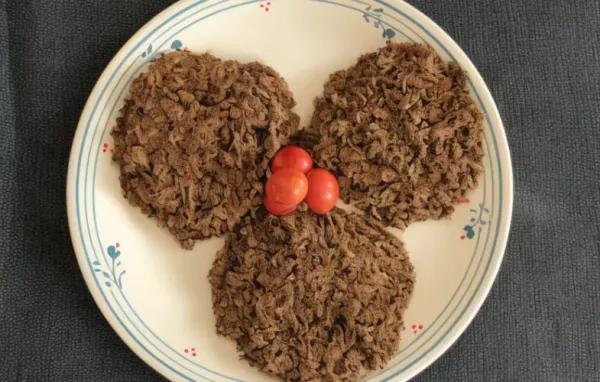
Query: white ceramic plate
{"x": 157, "y": 297}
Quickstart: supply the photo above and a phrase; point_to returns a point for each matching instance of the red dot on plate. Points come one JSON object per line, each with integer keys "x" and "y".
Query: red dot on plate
{"x": 420, "y": 327}
{"x": 194, "y": 354}
{"x": 266, "y": 9}
{"x": 117, "y": 245}
{"x": 262, "y": 5}
{"x": 269, "y": 3}
{"x": 193, "y": 349}
{"x": 414, "y": 326}
{"x": 462, "y": 237}
{"x": 106, "y": 145}
{"x": 185, "y": 351}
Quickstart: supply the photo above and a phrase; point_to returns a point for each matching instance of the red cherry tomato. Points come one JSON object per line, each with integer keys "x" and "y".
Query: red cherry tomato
{"x": 292, "y": 157}
{"x": 287, "y": 186}
{"x": 323, "y": 191}
{"x": 278, "y": 209}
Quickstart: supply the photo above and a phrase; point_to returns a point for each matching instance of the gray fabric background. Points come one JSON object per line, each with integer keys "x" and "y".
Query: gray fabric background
{"x": 540, "y": 59}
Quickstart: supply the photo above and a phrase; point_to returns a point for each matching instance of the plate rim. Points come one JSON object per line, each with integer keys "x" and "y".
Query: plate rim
{"x": 135, "y": 40}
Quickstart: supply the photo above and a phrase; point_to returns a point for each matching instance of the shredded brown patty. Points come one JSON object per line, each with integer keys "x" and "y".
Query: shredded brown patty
{"x": 401, "y": 132}
{"x": 194, "y": 140}
{"x": 312, "y": 298}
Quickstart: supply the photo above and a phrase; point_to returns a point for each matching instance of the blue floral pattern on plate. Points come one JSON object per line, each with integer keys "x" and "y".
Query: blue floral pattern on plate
{"x": 374, "y": 14}
{"x": 114, "y": 268}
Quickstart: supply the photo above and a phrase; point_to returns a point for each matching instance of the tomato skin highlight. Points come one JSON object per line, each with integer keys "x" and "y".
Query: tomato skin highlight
{"x": 292, "y": 157}
{"x": 323, "y": 191}
{"x": 287, "y": 186}
{"x": 278, "y": 209}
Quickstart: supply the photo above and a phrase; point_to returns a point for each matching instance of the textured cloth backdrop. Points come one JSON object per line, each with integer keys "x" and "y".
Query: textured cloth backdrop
{"x": 540, "y": 59}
